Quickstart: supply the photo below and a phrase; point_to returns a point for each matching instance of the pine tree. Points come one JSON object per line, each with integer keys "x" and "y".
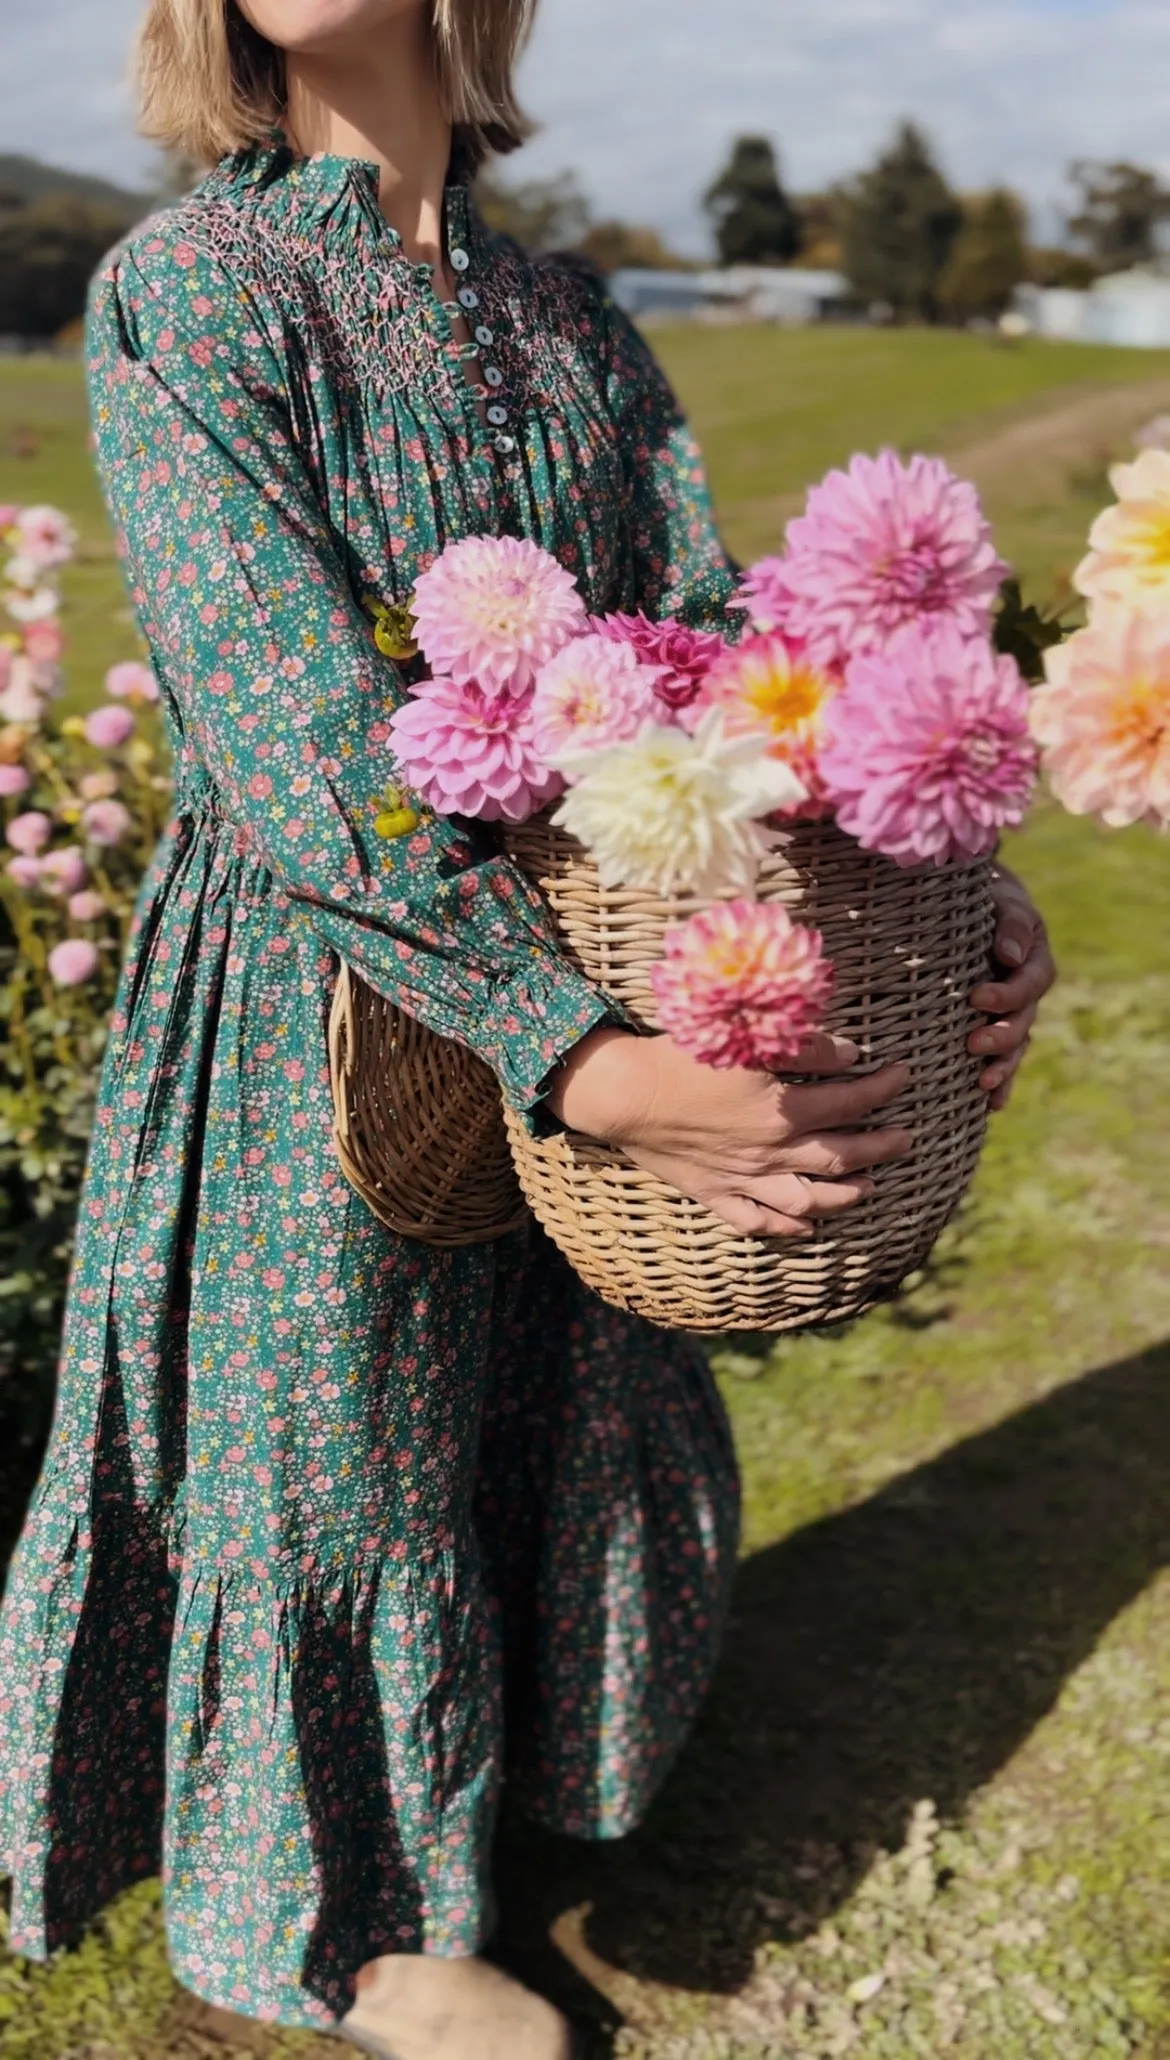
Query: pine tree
{"x": 755, "y": 221}
{"x": 899, "y": 225}
{"x": 989, "y": 259}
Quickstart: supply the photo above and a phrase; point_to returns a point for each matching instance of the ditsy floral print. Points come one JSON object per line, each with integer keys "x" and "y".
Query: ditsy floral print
{"x": 322, "y": 1505}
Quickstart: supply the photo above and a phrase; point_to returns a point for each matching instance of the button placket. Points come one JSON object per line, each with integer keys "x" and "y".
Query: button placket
{"x": 496, "y": 414}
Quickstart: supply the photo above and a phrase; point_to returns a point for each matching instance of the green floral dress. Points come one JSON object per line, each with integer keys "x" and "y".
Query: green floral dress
{"x": 335, "y": 1531}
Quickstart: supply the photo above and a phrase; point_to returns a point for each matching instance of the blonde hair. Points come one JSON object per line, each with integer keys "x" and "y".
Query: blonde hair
{"x": 209, "y": 83}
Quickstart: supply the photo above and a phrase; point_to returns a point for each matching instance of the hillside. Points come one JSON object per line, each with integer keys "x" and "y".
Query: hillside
{"x": 28, "y": 178}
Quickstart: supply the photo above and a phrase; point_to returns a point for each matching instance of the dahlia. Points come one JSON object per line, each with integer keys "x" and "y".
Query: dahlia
{"x": 468, "y": 751}
{"x": 741, "y": 984}
{"x": 109, "y": 726}
{"x": 682, "y": 657}
{"x": 131, "y": 681}
{"x": 87, "y": 906}
{"x": 14, "y": 779}
{"x": 1103, "y": 719}
{"x": 20, "y": 699}
{"x": 928, "y": 754}
{"x": 65, "y": 869}
{"x": 72, "y": 961}
{"x": 45, "y": 536}
{"x": 679, "y": 814}
{"x": 29, "y": 833}
{"x": 880, "y": 546}
{"x": 492, "y": 610}
{"x": 1129, "y": 544}
{"x": 767, "y": 687}
{"x": 37, "y": 606}
{"x": 106, "y": 822}
{"x": 592, "y": 694}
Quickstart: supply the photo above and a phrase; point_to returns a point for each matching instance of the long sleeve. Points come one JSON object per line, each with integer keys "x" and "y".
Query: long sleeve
{"x": 681, "y": 566}
{"x": 272, "y": 676}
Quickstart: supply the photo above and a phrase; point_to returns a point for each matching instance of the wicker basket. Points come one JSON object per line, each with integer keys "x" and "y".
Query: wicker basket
{"x": 418, "y": 1124}
{"x": 907, "y": 948}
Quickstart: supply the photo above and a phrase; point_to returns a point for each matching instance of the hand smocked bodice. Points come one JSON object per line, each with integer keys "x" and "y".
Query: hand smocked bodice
{"x": 286, "y": 431}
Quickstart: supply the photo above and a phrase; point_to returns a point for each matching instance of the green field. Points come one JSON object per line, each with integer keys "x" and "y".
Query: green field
{"x": 928, "y": 1810}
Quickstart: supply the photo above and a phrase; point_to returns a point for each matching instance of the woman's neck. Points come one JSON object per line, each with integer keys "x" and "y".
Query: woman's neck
{"x": 381, "y": 103}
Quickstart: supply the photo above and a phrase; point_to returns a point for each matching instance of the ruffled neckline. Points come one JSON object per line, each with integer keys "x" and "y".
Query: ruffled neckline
{"x": 312, "y": 187}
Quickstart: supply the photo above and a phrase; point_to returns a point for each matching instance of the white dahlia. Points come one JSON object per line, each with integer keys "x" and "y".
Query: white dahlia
{"x": 675, "y": 814}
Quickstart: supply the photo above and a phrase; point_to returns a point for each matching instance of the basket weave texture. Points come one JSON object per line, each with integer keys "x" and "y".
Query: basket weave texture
{"x": 418, "y": 1124}
{"x": 907, "y": 946}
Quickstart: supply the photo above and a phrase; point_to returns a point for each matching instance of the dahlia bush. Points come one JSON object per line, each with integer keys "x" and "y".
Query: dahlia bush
{"x": 82, "y": 802}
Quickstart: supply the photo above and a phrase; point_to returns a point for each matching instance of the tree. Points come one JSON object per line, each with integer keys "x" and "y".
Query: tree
{"x": 898, "y": 228}
{"x": 1122, "y": 208}
{"x": 610, "y": 245}
{"x": 49, "y": 250}
{"x": 989, "y": 258}
{"x": 542, "y": 214}
{"x": 755, "y": 221}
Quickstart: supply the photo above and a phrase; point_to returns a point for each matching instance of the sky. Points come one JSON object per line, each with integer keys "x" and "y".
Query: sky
{"x": 642, "y": 97}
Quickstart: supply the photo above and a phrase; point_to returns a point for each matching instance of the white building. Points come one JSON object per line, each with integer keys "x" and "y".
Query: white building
{"x": 748, "y": 293}
{"x": 1129, "y": 309}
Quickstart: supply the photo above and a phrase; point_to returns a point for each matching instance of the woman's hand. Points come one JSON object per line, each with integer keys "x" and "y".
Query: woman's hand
{"x": 1021, "y": 948}
{"x": 767, "y": 1158}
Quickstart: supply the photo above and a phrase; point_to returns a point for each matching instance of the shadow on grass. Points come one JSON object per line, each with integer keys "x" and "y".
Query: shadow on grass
{"x": 902, "y": 1650}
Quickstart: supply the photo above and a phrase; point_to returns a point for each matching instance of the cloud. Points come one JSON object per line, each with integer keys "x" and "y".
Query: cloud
{"x": 644, "y": 96}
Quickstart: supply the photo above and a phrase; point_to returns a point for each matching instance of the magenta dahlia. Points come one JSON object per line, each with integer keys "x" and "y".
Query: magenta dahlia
{"x": 592, "y": 694}
{"x": 493, "y": 610}
{"x": 741, "y": 984}
{"x": 928, "y": 754}
{"x": 681, "y": 657}
{"x": 879, "y": 546}
{"x": 469, "y": 751}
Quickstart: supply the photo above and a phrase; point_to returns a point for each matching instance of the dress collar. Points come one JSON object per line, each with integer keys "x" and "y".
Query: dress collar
{"x": 313, "y": 186}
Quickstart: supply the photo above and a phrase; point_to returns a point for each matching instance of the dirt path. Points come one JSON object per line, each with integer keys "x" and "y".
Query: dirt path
{"x": 1028, "y": 461}
{"x": 1049, "y": 442}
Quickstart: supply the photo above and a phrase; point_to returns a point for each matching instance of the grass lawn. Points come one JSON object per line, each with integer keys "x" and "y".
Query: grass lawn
{"x": 927, "y": 1810}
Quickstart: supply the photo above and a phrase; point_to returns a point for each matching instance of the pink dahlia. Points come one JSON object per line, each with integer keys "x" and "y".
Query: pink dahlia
{"x": 881, "y": 545}
{"x": 14, "y": 779}
{"x": 109, "y": 726}
{"x": 471, "y": 752}
{"x": 741, "y": 984}
{"x": 29, "y": 833}
{"x": 131, "y": 681}
{"x": 44, "y": 642}
{"x": 65, "y": 869}
{"x": 45, "y": 536}
{"x": 928, "y": 754}
{"x": 87, "y": 906}
{"x": 73, "y": 961}
{"x": 492, "y": 610}
{"x": 592, "y": 694}
{"x": 682, "y": 657}
{"x": 106, "y": 822}
{"x": 24, "y": 870}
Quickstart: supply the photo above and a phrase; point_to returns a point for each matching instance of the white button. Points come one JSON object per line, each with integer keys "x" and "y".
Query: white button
{"x": 497, "y": 417}
{"x": 459, "y": 260}
{"x": 505, "y": 444}
{"x": 485, "y": 335}
{"x": 493, "y": 375}
{"x": 468, "y": 297}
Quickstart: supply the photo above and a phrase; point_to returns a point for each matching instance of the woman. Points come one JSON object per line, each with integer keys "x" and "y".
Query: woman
{"x": 322, "y": 1508}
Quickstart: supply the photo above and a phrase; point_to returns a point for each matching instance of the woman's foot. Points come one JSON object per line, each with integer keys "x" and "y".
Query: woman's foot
{"x": 413, "y": 2007}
